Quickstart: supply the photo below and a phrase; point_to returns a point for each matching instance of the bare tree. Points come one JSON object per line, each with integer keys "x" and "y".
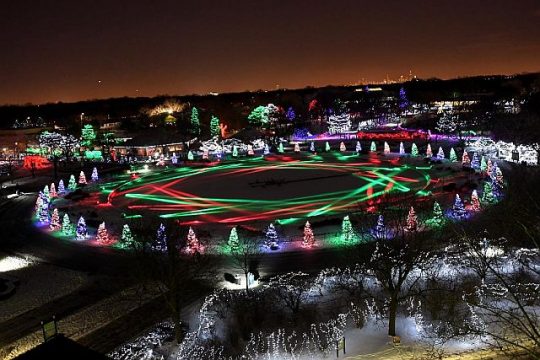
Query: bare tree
{"x": 246, "y": 255}
{"x": 58, "y": 146}
{"x": 292, "y": 289}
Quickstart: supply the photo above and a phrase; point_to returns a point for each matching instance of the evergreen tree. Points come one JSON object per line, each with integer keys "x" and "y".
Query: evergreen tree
{"x": 358, "y": 147}
{"x": 94, "y": 177}
{"x": 266, "y": 149}
{"x": 195, "y": 123}
{"x": 386, "y": 149}
{"x": 483, "y": 165}
{"x": 373, "y": 147}
{"x": 347, "y": 232}
{"x": 215, "y": 130}
{"x": 401, "y": 148}
{"x": 271, "y": 236}
{"x": 312, "y": 147}
{"x": 88, "y": 136}
{"x": 160, "y": 243}
{"x": 82, "y": 178}
{"x": 309, "y": 238}
{"x": 44, "y": 211}
{"x": 192, "y": 245}
{"x": 414, "y": 150}
{"x": 453, "y": 155}
{"x": 475, "y": 163}
{"x": 233, "y": 239}
{"x": 235, "y": 151}
{"x": 61, "y": 187}
{"x": 174, "y": 159}
{"x": 327, "y": 147}
{"x": 437, "y": 219}
{"x": 205, "y": 153}
{"x": 342, "y": 147}
{"x": 67, "y": 228}
{"x": 297, "y": 148}
{"x": 190, "y": 156}
{"x": 489, "y": 167}
{"x": 429, "y": 153}
{"x": 39, "y": 203}
{"x": 82, "y": 230}
{"x": 281, "y": 150}
{"x": 102, "y": 236}
{"x": 488, "y": 196}
{"x": 458, "y": 210}
{"x": 46, "y": 192}
{"x": 126, "y": 240}
{"x": 53, "y": 193}
{"x": 290, "y": 115}
{"x": 412, "y": 220}
{"x": 440, "y": 153}
{"x": 475, "y": 201}
{"x": 55, "y": 221}
{"x": 380, "y": 228}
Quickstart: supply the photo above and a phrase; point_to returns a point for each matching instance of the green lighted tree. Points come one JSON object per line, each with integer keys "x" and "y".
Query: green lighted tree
{"x": 259, "y": 116}
{"x": 215, "y": 130}
{"x": 88, "y": 136}
{"x": 347, "y": 232}
{"x": 195, "y": 123}
{"x": 233, "y": 238}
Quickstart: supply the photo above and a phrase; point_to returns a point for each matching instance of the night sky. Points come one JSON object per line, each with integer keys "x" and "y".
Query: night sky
{"x": 59, "y": 50}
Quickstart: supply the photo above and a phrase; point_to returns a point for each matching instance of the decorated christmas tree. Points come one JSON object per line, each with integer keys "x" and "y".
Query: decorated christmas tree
{"x": 160, "y": 243}
{"x": 412, "y": 220}
{"x": 281, "y": 150}
{"x": 380, "y": 228}
{"x": 192, "y": 244}
{"x": 271, "y": 237}
{"x": 195, "y": 123}
{"x": 437, "y": 218}
{"x": 475, "y": 163}
{"x": 453, "y": 155}
{"x": 39, "y": 203}
{"x": 312, "y": 147}
{"x": 190, "y": 156}
{"x": 429, "y": 153}
{"x": 174, "y": 159}
{"x": 102, "y": 236}
{"x": 233, "y": 239}
{"x": 67, "y": 227}
{"x": 46, "y": 192}
{"x": 81, "y": 231}
{"x": 250, "y": 151}
{"x": 44, "y": 211}
{"x": 440, "y": 153}
{"x": 94, "y": 177}
{"x": 52, "y": 192}
{"x": 373, "y": 147}
{"x": 458, "y": 210}
{"x": 347, "y": 232}
{"x": 358, "y": 147}
{"x": 386, "y": 149}
{"x": 266, "y": 150}
{"x": 205, "y": 154}
{"x": 465, "y": 161}
{"x": 483, "y": 164}
{"x": 309, "y": 238}
{"x": 126, "y": 240}
{"x": 82, "y": 178}
{"x": 475, "y": 201}
{"x": 414, "y": 150}
{"x": 55, "y": 220}
{"x": 488, "y": 195}
{"x": 401, "y": 148}
{"x": 327, "y": 147}
{"x": 499, "y": 179}
{"x": 489, "y": 167}
{"x": 215, "y": 130}
{"x": 342, "y": 147}
{"x": 61, "y": 187}
{"x": 297, "y": 148}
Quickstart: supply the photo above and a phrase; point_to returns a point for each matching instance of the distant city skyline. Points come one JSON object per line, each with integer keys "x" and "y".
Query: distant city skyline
{"x": 70, "y": 51}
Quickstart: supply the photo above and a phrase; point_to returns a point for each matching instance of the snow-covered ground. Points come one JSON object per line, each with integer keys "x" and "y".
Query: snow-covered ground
{"x": 38, "y": 284}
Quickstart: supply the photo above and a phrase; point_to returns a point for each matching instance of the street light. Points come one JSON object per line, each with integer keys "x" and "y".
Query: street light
{"x": 82, "y": 115}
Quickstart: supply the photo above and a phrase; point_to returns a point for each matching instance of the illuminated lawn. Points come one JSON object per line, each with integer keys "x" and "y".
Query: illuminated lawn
{"x": 259, "y": 189}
